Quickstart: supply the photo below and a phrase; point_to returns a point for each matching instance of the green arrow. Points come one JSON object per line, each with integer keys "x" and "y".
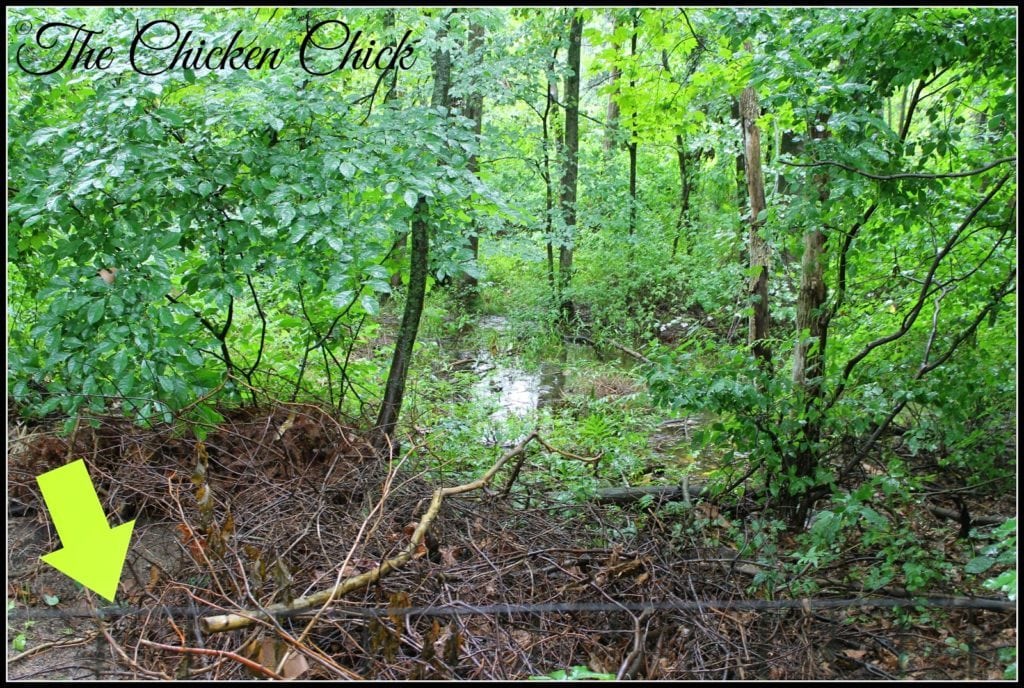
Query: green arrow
{"x": 93, "y": 552}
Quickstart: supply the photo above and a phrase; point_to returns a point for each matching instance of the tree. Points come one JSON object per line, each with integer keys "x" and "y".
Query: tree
{"x": 759, "y": 251}
{"x": 633, "y": 143}
{"x": 394, "y": 389}
{"x": 570, "y": 170}
{"x": 249, "y": 216}
{"x": 473, "y": 109}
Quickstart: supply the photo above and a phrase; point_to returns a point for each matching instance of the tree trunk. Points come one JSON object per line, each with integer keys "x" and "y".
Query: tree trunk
{"x": 442, "y": 68}
{"x": 570, "y": 172}
{"x": 789, "y": 144}
{"x": 549, "y": 194}
{"x": 398, "y": 249}
{"x": 759, "y": 250}
{"x": 394, "y": 389}
{"x": 633, "y": 135}
{"x": 809, "y": 353}
{"x": 611, "y": 120}
{"x": 741, "y": 165}
{"x": 684, "y": 197}
{"x": 811, "y": 315}
{"x": 474, "y": 111}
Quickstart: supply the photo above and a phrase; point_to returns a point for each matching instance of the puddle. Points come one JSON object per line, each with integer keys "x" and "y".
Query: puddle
{"x": 515, "y": 390}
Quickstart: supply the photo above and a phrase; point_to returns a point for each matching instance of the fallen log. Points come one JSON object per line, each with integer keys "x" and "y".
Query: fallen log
{"x": 667, "y": 493}
{"x": 680, "y": 493}
{"x": 975, "y": 520}
{"x": 582, "y": 339}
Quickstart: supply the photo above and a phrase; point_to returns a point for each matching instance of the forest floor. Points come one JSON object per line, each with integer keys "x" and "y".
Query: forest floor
{"x": 301, "y": 491}
{"x": 280, "y": 502}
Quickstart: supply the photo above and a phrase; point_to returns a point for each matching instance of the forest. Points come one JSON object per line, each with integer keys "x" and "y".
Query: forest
{"x": 511, "y": 343}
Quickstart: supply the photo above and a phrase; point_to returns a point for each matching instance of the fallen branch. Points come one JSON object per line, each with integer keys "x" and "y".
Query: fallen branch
{"x": 231, "y": 622}
{"x": 629, "y": 352}
{"x": 248, "y": 663}
{"x": 975, "y": 520}
{"x": 676, "y": 493}
{"x": 625, "y": 495}
{"x": 934, "y": 600}
{"x": 636, "y": 355}
{"x": 569, "y": 455}
{"x": 46, "y": 646}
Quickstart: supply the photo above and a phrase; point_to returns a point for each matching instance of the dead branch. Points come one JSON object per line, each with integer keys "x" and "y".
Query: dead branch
{"x": 975, "y": 520}
{"x": 231, "y": 622}
{"x": 635, "y": 355}
{"x": 248, "y": 663}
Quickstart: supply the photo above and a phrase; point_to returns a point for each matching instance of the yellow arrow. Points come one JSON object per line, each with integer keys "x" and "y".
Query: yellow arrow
{"x": 93, "y": 552}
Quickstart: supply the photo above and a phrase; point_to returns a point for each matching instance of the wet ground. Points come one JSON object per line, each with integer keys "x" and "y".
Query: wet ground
{"x": 515, "y": 389}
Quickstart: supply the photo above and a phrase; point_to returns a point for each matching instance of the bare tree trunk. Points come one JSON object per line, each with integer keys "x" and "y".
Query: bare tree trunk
{"x": 571, "y": 169}
{"x": 684, "y": 197}
{"x": 811, "y": 315}
{"x": 759, "y": 249}
{"x": 742, "y": 202}
{"x": 809, "y": 354}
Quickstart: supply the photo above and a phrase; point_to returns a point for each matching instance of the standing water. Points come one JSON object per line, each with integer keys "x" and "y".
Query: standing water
{"x": 516, "y": 391}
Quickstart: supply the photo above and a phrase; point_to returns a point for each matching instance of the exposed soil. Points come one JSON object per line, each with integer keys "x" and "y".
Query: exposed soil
{"x": 289, "y": 499}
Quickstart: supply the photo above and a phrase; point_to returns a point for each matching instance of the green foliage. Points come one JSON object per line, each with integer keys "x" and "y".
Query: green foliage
{"x": 20, "y": 640}
{"x": 1002, "y": 552}
{"x": 575, "y": 673}
{"x": 240, "y": 210}
{"x": 918, "y": 269}
{"x": 864, "y": 523}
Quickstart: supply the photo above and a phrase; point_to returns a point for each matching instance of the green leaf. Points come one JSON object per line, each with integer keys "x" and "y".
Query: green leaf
{"x": 94, "y": 312}
{"x": 410, "y": 198}
{"x": 343, "y": 299}
{"x": 347, "y": 169}
{"x": 369, "y": 304}
{"x": 171, "y": 116}
{"x": 979, "y": 564}
{"x": 285, "y": 213}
